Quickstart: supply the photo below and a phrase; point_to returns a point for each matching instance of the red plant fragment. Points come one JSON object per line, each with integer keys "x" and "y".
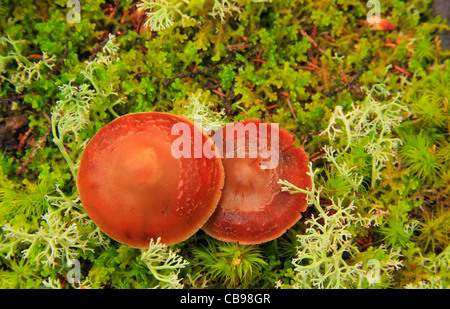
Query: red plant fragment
{"x": 383, "y": 25}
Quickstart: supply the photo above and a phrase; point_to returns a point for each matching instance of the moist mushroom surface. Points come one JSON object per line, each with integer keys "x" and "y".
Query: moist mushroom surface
{"x": 253, "y": 209}
{"x": 133, "y": 187}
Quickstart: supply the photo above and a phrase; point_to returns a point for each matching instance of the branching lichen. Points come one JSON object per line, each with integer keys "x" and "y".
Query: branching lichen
{"x": 54, "y": 243}
{"x": 163, "y": 14}
{"x": 439, "y": 267}
{"x": 104, "y": 60}
{"x": 70, "y": 206}
{"x": 26, "y": 71}
{"x": 370, "y": 123}
{"x": 326, "y": 254}
{"x": 199, "y": 111}
{"x": 223, "y": 7}
{"x": 164, "y": 264}
{"x": 70, "y": 116}
{"x": 438, "y": 264}
{"x": 345, "y": 171}
{"x": 71, "y": 113}
{"x": 320, "y": 262}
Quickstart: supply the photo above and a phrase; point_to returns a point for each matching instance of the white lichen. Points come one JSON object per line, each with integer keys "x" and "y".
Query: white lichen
{"x": 54, "y": 243}
{"x": 326, "y": 253}
{"x": 199, "y": 111}
{"x": 164, "y": 264}
{"x": 372, "y": 123}
{"x": 163, "y": 14}
{"x": 26, "y": 70}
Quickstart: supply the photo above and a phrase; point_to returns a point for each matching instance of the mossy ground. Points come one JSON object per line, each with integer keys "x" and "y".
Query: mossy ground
{"x": 289, "y": 62}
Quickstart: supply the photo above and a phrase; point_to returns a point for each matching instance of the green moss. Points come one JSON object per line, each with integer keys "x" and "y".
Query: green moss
{"x": 233, "y": 264}
{"x": 419, "y": 158}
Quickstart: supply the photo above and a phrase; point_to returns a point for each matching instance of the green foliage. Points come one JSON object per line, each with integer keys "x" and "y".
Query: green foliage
{"x": 430, "y": 110}
{"x": 396, "y": 232}
{"x": 434, "y": 231}
{"x": 418, "y": 158}
{"x": 326, "y": 254}
{"x": 370, "y": 124}
{"x": 160, "y": 259}
{"x": 200, "y": 112}
{"x": 233, "y": 264}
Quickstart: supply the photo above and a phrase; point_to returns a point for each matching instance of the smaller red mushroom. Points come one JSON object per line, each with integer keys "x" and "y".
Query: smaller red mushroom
{"x": 253, "y": 209}
{"x": 135, "y": 189}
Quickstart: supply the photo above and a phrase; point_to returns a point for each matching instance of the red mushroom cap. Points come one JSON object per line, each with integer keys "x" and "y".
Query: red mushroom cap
{"x": 382, "y": 25}
{"x": 253, "y": 209}
{"x": 135, "y": 190}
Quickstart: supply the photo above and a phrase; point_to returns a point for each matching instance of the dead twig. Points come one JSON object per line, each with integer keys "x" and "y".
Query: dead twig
{"x": 206, "y": 71}
{"x": 354, "y": 80}
{"x": 312, "y": 41}
{"x": 98, "y": 47}
{"x": 23, "y": 139}
{"x": 39, "y": 144}
{"x": 60, "y": 61}
{"x": 285, "y": 96}
{"x": 11, "y": 97}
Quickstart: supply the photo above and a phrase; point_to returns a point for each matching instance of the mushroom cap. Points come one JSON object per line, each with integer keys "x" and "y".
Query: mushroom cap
{"x": 135, "y": 190}
{"x": 253, "y": 209}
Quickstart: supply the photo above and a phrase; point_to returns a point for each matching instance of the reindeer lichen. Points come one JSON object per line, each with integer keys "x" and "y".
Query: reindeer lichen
{"x": 55, "y": 241}
{"x": 163, "y": 14}
{"x": 371, "y": 124}
{"x": 26, "y": 70}
{"x": 199, "y": 111}
{"x": 326, "y": 252}
{"x": 164, "y": 264}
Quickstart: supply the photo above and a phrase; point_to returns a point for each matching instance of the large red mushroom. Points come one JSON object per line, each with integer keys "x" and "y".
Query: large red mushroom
{"x": 253, "y": 209}
{"x": 135, "y": 189}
